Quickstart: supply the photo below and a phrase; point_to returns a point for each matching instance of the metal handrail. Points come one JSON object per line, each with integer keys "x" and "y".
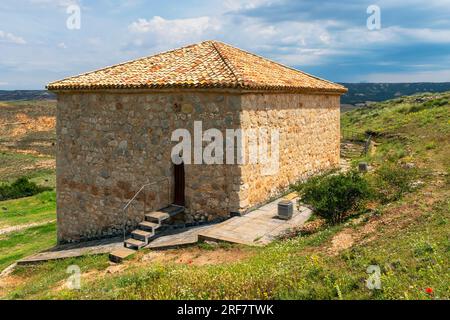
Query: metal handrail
{"x": 125, "y": 208}
{"x": 367, "y": 145}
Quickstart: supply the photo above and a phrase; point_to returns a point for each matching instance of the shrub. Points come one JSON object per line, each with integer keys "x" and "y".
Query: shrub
{"x": 393, "y": 181}
{"x": 430, "y": 146}
{"x": 20, "y": 188}
{"x": 333, "y": 195}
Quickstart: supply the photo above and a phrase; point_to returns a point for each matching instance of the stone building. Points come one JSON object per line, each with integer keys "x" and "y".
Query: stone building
{"x": 115, "y": 125}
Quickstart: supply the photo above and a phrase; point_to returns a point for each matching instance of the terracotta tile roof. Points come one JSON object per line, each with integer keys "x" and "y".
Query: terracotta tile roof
{"x": 209, "y": 64}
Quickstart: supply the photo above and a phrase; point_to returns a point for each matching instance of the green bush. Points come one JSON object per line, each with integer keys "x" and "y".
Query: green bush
{"x": 20, "y": 188}
{"x": 334, "y": 195}
{"x": 393, "y": 181}
{"x": 428, "y": 105}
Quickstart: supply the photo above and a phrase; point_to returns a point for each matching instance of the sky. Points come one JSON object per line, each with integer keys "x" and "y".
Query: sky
{"x": 40, "y": 40}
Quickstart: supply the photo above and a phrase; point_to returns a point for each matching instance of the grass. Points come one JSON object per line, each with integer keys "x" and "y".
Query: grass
{"x": 26, "y": 136}
{"x": 409, "y": 241}
{"x": 410, "y": 261}
{"x": 39, "y": 209}
{"x": 16, "y": 165}
{"x": 17, "y": 245}
{"x": 406, "y": 130}
{"x": 45, "y": 276}
{"x": 36, "y": 209}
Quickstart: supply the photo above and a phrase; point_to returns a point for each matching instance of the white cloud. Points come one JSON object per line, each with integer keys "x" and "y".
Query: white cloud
{"x": 307, "y": 57}
{"x": 293, "y": 43}
{"x": 62, "y": 45}
{"x": 95, "y": 41}
{"x": 3, "y": 83}
{"x": 59, "y": 3}
{"x": 296, "y": 43}
{"x": 11, "y": 38}
{"x": 425, "y": 34}
{"x": 361, "y": 39}
{"x": 422, "y": 76}
{"x": 159, "y": 31}
{"x": 246, "y": 4}
{"x": 404, "y": 4}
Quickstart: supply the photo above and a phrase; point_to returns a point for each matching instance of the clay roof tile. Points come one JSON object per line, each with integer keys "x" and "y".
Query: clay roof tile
{"x": 209, "y": 64}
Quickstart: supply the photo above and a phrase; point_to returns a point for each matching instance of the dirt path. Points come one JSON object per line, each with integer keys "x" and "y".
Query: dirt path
{"x": 23, "y": 227}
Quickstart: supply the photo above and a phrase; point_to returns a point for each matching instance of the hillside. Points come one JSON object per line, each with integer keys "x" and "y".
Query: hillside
{"x": 363, "y": 92}
{"x": 27, "y": 139}
{"x": 15, "y": 95}
{"x": 408, "y": 239}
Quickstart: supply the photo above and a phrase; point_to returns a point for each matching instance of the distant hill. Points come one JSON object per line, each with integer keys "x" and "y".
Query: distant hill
{"x": 26, "y": 95}
{"x": 358, "y": 92}
{"x": 364, "y": 92}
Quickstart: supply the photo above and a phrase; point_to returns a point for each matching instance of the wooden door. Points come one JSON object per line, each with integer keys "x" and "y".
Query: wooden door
{"x": 179, "y": 185}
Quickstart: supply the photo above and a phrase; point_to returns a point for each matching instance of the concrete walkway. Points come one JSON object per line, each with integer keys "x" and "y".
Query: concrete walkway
{"x": 75, "y": 250}
{"x": 177, "y": 239}
{"x": 258, "y": 227}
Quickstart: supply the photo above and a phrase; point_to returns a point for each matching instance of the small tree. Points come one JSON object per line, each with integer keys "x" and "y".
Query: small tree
{"x": 22, "y": 187}
{"x": 333, "y": 195}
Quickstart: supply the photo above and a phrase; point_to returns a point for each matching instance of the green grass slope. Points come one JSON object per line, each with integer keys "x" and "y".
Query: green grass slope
{"x": 35, "y": 220}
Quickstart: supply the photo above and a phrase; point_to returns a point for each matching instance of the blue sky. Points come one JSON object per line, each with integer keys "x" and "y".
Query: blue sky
{"x": 327, "y": 38}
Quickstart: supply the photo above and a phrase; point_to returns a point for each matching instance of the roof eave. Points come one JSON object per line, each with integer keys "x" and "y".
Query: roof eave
{"x": 53, "y": 87}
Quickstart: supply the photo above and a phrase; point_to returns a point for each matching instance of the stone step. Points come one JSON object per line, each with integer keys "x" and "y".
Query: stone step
{"x": 133, "y": 243}
{"x": 352, "y": 150}
{"x": 173, "y": 210}
{"x": 118, "y": 255}
{"x": 157, "y": 216}
{"x": 351, "y": 153}
{"x": 147, "y": 225}
{"x": 355, "y": 154}
{"x": 142, "y": 235}
{"x": 147, "y": 229}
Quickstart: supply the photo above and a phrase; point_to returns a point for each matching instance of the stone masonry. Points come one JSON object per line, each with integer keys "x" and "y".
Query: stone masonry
{"x": 309, "y": 127}
{"x": 112, "y": 142}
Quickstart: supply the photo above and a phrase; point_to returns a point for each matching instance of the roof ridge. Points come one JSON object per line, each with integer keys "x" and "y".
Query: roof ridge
{"x": 280, "y": 64}
{"x": 226, "y": 62}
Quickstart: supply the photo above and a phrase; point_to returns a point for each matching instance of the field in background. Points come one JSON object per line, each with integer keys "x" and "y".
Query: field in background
{"x": 27, "y": 141}
{"x": 27, "y": 149}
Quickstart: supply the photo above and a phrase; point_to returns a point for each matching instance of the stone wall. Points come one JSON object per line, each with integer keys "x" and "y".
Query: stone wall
{"x": 309, "y": 127}
{"x": 111, "y": 144}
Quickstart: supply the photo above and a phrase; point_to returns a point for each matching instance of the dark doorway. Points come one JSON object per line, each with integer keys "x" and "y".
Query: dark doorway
{"x": 179, "y": 184}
